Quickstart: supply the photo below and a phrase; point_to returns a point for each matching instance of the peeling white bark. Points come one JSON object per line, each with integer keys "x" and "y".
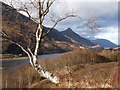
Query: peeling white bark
{"x": 34, "y": 59}
{"x": 43, "y": 72}
{"x": 48, "y": 75}
{"x": 30, "y": 60}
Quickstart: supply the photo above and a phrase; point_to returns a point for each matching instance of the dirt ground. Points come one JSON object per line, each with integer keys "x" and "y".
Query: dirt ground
{"x": 102, "y": 75}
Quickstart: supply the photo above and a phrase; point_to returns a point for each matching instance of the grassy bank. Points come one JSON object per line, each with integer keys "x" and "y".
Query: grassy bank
{"x": 8, "y": 56}
{"x": 81, "y": 57}
{"x": 73, "y": 67}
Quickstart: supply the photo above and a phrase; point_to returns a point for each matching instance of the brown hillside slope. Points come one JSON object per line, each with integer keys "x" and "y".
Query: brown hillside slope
{"x": 21, "y": 29}
{"x": 103, "y": 75}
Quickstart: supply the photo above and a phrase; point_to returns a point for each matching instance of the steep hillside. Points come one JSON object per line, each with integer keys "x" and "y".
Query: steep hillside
{"x": 56, "y": 35}
{"x": 76, "y": 38}
{"x": 20, "y": 28}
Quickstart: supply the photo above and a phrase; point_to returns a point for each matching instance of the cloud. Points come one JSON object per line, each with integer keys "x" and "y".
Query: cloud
{"x": 106, "y": 12}
{"x": 110, "y": 33}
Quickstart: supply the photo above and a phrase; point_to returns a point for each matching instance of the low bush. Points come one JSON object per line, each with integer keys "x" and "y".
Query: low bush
{"x": 113, "y": 55}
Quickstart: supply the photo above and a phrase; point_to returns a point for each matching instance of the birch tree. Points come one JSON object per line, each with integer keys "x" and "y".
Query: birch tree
{"x": 93, "y": 25}
{"x": 43, "y": 8}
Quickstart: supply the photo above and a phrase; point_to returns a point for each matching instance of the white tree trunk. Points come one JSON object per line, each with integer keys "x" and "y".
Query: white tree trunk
{"x": 43, "y": 72}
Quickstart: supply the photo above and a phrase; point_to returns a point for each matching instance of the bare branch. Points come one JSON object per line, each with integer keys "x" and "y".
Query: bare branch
{"x": 6, "y": 36}
{"x": 42, "y": 6}
{"x": 3, "y": 33}
{"x": 27, "y": 52}
{"x": 48, "y": 5}
{"x": 31, "y": 61}
{"x": 30, "y": 51}
{"x": 11, "y": 3}
{"x": 59, "y": 20}
{"x": 35, "y": 6}
{"x": 92, "y": 24}
{"x": 39, "y": 12}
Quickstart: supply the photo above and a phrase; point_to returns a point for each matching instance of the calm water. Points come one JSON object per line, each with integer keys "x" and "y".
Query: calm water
{"x": 12, "y": 63}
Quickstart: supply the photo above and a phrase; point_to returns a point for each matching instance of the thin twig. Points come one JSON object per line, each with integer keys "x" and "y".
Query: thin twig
{"x": 59, "y": 20}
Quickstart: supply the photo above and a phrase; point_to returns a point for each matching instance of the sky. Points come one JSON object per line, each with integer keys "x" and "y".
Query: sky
{"x": 103, "y": 12}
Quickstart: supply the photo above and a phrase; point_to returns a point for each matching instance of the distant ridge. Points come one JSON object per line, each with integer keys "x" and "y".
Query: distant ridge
{"x": 71, "y": 34}
{"x": 104, "y": 43}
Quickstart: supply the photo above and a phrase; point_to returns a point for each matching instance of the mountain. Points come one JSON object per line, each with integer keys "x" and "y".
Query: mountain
{"x": 20, "y": 27}
{"x": 105, "y": 43}
{"x": 76, "y": 38}
{"x": 56, "y": 35}
{"x": 17, "y": 26}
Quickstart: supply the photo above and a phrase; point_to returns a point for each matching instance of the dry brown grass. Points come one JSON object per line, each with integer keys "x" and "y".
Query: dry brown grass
{"x": 20, "y": 77}
{"x": 74, "y": 58}
{"x": 113, "y": 55}
{"x": 79, "y": 68}
{"x": 102, "y": 75}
